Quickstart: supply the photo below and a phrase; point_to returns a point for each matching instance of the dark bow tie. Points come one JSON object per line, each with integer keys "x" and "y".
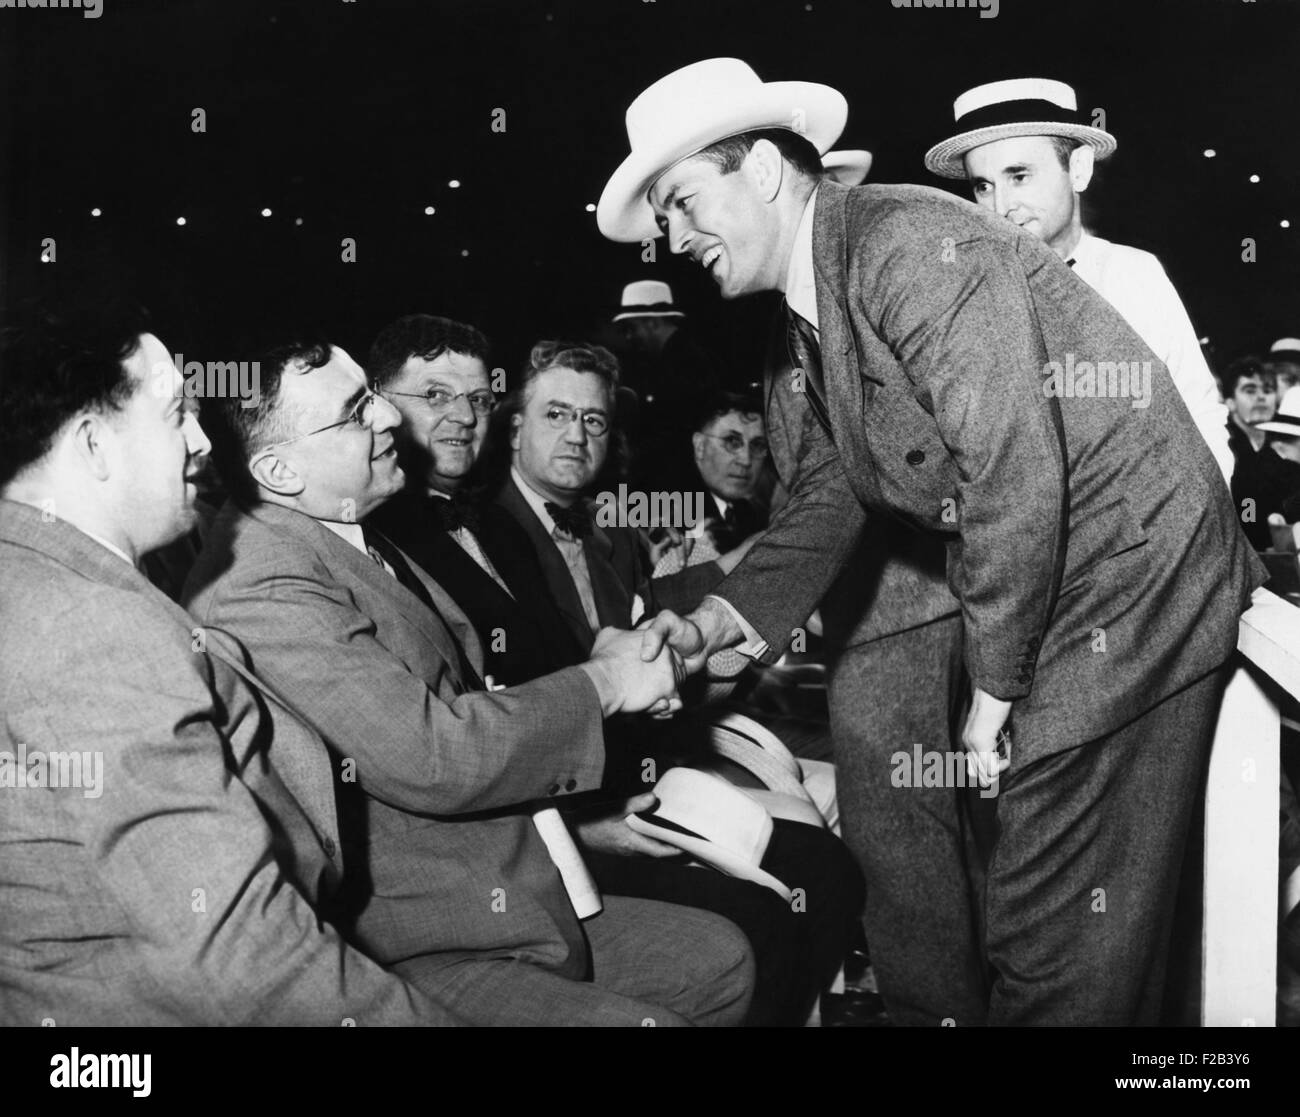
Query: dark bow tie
{"x": 455, "y": 513}
{"x": 575, "y": 521}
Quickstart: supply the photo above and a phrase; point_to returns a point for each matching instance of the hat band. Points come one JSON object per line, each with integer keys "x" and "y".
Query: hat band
{"x": 667, "y": 824}
{"x": 1018, "y": 112}
{"x": 648, "y": 308}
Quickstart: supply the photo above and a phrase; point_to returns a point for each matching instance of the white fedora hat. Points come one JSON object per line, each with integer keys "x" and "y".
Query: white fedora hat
{"x": 1287, "y": 418}
{"x": 848, "y": 167}
{"x": 1020, "y": 107}
{"x": 699, "y": 105}
{"x": 714, "y": 822}
{"x": 647, "y": 298}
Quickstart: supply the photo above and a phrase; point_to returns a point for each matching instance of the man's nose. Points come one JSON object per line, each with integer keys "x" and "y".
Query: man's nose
{"x": 576, "y": 431}
{"x": 1002, "y": 200}
{"x": 196, "y": 442}
{"x": 461, "y": 411}
{"x": 384, "y": 416}
{"x": 679, "y": 236}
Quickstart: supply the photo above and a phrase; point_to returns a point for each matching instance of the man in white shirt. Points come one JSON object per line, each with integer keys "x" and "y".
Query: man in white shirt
{"x": 1029, "y": 157}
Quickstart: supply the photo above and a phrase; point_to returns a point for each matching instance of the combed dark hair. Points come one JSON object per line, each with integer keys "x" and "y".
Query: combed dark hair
{"x": 728, "y": 154}
{"x": 424, "y": 336}
{"x": 1063, "y": 145}
{"x": 717, "y": 404}
{"x": 238, "y": 432}
{"x": 59, "y": 360}
{"x": 1243, "y": 368}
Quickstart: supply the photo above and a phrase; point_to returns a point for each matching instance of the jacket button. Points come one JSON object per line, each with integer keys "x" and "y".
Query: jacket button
{"x": 329, "y": 847}
{"x": 915, "y": 457}
{"x": 570, "y": 785}
{"x": 555, "y": 789}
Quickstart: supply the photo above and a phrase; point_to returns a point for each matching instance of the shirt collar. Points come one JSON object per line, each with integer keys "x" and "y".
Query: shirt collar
{"x": 105, "y": 543}
{"x": 535, "y": 500}
{"x": 349, "y": 533}
{"x": 801, "y": 277}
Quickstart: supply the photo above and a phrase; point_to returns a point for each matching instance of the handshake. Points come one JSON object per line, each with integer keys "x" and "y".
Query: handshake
{"x": 635, "y": 671}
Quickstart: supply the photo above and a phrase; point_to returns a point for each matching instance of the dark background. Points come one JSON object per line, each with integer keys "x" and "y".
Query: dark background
{"x": 355, "y": 116}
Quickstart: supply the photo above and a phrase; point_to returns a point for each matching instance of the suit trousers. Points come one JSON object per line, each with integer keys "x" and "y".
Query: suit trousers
{"x": 914, "y": 843}
{"x": 652, "y": 965}
{"x": 1084, "y": 873}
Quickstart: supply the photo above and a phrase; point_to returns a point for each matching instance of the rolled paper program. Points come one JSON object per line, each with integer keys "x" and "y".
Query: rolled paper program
{"x": 582, "y": 890}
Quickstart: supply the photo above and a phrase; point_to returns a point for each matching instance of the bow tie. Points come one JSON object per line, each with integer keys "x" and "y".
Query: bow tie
{"x": 575, "y": 521}
{"x": 458, "y": 512}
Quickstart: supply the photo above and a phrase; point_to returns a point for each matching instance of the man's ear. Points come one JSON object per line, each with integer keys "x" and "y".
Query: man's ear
{"x": 697, "y": 441}
{"x": 1081, "y": 164}
{"x": 275, "y": 475}
{"x": 88, "y": 435}
{"x": 516, "y": 422}
{"x": 766, "y": 168}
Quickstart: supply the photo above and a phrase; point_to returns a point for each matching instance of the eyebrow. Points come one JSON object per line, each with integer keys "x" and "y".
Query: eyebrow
{"x": 574, "y": 407}
{"x": 352, "y": 401}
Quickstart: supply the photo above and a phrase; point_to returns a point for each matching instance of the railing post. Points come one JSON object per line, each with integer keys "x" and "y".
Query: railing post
{"x": 1239, "y": 957}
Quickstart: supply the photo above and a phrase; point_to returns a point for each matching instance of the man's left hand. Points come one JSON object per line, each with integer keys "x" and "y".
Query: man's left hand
{"x": 980, "y": 736}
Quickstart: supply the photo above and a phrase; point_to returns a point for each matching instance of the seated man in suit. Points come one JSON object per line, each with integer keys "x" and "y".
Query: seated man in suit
{"x": 519, "y": 566}
{"x": 158, "y": 861}
{"x": 457, "y": 889}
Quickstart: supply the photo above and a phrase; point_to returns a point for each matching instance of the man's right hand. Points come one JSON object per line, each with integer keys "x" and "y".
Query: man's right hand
{"x": 694, "y": 637}
{"x": 629, "y": 682}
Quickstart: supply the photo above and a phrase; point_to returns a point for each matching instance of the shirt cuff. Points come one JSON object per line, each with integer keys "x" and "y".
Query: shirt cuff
{"x": 754, "y": 645}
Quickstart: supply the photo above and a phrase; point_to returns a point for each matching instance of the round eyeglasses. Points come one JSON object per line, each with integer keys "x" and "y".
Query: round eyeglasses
{"x": 595, "y": 423}
{"x": 439, "y": 399}
{"x": 360, "y": 415}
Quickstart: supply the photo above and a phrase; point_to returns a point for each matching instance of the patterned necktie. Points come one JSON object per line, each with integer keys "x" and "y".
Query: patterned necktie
{"x": 805, "y": 353}
{"x": 574, "y": 522}
{"x": 381, "y": 550}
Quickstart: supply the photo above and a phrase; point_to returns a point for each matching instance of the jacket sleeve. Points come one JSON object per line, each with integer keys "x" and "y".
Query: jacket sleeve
{"x": 783, "y": 578}
{"x": 416, "y": 745}
{"x": 177, "y": 847}
{"x": 966, "y": 333}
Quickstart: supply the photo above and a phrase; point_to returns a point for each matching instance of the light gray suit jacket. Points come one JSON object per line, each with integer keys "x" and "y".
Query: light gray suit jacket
{"x": 1092, "y": 545}
{"x": 445, "y": 863}
{"x": 169, "y": 897}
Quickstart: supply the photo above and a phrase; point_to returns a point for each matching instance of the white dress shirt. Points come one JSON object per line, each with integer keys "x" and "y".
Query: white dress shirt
{"x": 468, "y": 542}
{"x": 1135, "y": 284}
{"x": 570, "y": 549}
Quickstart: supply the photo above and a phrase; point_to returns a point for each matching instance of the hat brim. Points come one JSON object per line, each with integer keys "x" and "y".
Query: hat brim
{"x": 946, "y": 159}
{"x": 1275, "y": 425}
{"x": 711, "y": 854}
{"x": 623, "y": 315}
{"x": 623, "y": 214}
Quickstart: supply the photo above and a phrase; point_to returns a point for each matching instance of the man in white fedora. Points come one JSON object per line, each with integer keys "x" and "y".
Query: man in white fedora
{"x": 1095, "y": 567}
{"x": 1028, "y": 155}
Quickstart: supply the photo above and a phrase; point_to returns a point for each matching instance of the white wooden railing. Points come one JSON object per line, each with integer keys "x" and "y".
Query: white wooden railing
{"x": 1239, "y": 947}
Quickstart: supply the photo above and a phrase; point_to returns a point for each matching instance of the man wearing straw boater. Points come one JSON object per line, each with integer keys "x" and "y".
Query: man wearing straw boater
{"x": 944, "y": 390}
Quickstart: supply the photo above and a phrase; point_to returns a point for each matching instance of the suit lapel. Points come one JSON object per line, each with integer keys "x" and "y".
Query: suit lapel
{"x": 613, "y": 605}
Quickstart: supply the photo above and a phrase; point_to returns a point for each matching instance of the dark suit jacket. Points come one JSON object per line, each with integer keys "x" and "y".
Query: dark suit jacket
{"x": 522, "y": 632}
{"x": 618, "y": 569}
{"x": 1068, "y": 521}
{"x": 433, "y": 773}
{"x": 179, "y": 893}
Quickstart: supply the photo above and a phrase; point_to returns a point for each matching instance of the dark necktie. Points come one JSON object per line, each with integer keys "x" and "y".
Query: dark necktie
{"x": 455, "y": 513}
{"x": 805, "y": 353}
{"x": 378, "y": 544}
{"x": 575, "y": 521}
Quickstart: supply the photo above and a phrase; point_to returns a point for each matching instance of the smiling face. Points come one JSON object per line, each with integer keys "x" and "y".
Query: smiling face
{"x": 559, "y": 462}
{"x": 156, "y": 449}
{"x": 441, "y": 444}
{"x": 1021, "y": 179}
{"x": 727, "y": 222}
{"x": 344, "y": 473}
{"x": 729, "y": 453}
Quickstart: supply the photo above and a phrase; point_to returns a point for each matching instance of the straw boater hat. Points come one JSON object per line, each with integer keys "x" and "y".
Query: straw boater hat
{"x": 647, "y": 298}
{"x": 699, "y": 105}
{"x": 1287, "y": 419}
{"x": 1020, "y": 107}
{"x": 1286, "y": 349}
